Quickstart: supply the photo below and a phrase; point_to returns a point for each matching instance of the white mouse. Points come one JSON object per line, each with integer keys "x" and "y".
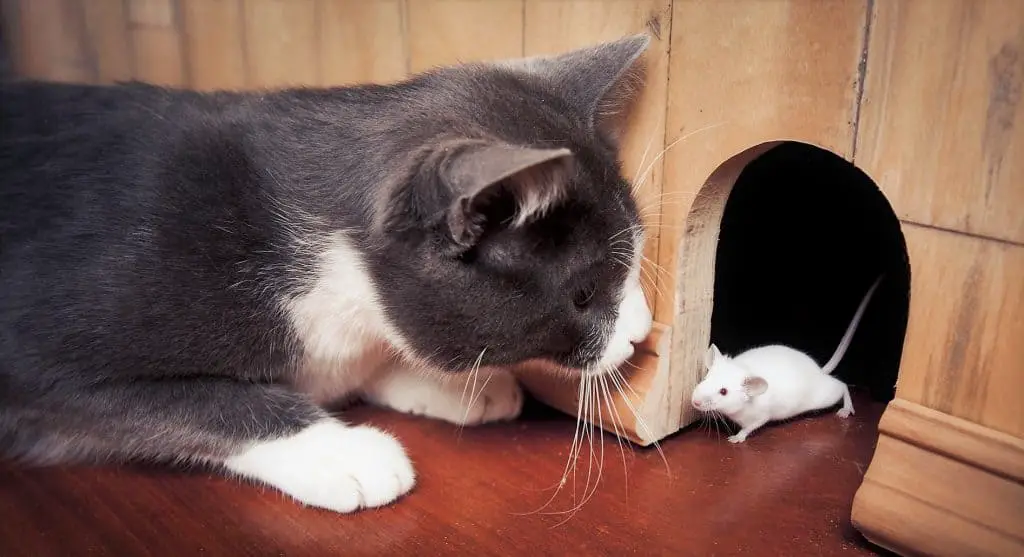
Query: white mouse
{"x": 773, "y": 383}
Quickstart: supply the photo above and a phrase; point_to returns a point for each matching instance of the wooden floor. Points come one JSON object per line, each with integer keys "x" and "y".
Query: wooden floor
{"x": 787, "y": 491}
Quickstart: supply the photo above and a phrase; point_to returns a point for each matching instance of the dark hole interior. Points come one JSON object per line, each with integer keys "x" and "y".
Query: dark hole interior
{"x": 803, "y": 237}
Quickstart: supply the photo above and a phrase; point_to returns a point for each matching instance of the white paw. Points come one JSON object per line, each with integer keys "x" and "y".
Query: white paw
{"x": 845, "y": 412}
{"x": 492, "y": 396}
{"x": 331, "y": 466}
{"x": 738, "y": 438}
{"x": 495, "y": 399}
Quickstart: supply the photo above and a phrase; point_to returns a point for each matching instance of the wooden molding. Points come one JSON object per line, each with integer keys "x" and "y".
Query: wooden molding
{"x": 940, "y": 485}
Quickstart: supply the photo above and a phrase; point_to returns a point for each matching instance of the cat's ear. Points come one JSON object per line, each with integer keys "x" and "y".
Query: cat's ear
{"x": 603, "y": 80}
{"x": 487, "y": 177}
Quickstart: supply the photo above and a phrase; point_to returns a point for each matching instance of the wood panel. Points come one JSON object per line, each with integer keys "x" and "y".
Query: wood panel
{"x": 362, "y": 41}
{"x": 962, "y": 354}
{"x": 215, "y": 43}
{"x": 942, "y": 122}
{"x": 442, "y": 32}
{"x": 110, "y": 52}
{"x": 554, "y": 27}
{"x": 156, "y": 42}
{"x": 742, "y": 75}
{"x": 939, "y": 485}
{"x": 49, "y": 40}
{"x": 282, "y": 43}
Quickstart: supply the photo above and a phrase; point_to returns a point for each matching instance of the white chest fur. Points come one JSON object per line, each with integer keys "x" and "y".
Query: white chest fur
{"x": 340, "y": 324}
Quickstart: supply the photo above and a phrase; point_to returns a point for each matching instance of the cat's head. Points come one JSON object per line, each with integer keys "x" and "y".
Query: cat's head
{"x": 514, "y": 236}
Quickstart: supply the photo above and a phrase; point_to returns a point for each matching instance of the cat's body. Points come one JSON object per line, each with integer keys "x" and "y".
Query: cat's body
{"x": 186, "y": 276}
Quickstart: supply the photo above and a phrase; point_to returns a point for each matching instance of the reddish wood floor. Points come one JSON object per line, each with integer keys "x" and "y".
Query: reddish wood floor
{"x": 787, "y": 491}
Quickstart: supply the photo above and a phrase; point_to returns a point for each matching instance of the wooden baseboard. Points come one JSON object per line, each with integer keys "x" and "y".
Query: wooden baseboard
{"x": 940, "y": 485}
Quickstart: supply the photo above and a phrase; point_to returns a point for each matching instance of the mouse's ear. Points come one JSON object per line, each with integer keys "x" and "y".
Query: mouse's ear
{"x": 754, "y": 385}
{"x": 711, "y": 355}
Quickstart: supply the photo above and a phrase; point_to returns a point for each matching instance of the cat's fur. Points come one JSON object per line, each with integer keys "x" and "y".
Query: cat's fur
{"x": 186, "y": 276}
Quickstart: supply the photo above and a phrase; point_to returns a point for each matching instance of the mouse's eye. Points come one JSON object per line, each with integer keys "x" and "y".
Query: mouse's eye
{"x": 723, "y": 391}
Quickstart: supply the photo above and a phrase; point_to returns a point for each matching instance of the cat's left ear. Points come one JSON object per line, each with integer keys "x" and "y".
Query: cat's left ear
{"x": 487, "y": 177}
{"x": 602, "y": 80}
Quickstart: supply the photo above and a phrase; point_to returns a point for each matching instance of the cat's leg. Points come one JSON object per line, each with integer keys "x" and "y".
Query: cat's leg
{"x": 847, "y": 410}
{"x": 261, "y": 432}
{"x": 467, "y": 398}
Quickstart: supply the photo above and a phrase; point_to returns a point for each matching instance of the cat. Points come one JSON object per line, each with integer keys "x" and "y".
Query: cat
{"x": 190, "y": 277}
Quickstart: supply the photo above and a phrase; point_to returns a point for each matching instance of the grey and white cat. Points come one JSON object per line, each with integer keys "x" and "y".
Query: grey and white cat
{"x": 188, "y": 277}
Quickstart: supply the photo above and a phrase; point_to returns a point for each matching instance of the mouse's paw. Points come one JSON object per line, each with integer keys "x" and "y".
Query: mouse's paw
{"x": 845, "y": 413}
{"x": 738, "y": 438}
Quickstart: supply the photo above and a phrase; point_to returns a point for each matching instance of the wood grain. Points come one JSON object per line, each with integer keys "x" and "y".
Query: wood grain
{"x": 787, "y": 492}
{"x": 362, "y": 41}
{"x": 988, "y": 449}
{"x": 282, "y": 43}
{"x": 745, "y": 73}
{"x": 962, "y": 354}
{"x": 106, "y": 24}
{"x": 215, "y": 43}
{"x": 932, "y": 489}
{"x": 442, "y": 32}
{"x": 156, "y": 42}
{"x": 942, "y": 121}
{"x": 51, "y": 42}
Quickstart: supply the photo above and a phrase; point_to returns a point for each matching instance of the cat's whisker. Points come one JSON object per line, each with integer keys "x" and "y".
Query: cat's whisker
{"x": 613, "y": 413}
{"x": 664, "y": 226}
{"x": 572, "y": 457}
{"x": 595, "y": 428}
{"x": 653, "y": 281}
{"x": 619, "y": 381}
{"x": 474, "y": 374}
{"x": 683, "y": 137}
{"x": 663, "y": 273}
{"x": 620, "y": 232}
{"x": 655, "y": 207}
{"x": 483, "y": 387}
{"x": 639, "y": 167}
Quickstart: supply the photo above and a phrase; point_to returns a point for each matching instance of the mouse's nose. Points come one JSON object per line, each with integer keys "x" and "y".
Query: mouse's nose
{"x": 696, "y": 403}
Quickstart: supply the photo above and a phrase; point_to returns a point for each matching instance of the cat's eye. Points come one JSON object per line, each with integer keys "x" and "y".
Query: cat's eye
{"x": 723, "y": 391}
{"x": 583, "y": 296}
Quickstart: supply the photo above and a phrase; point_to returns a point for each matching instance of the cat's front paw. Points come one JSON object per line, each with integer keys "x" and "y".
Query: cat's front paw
{"x": 464, "y": 399}
{"x": 331, "y": 466}
{"x": 738, "y": 438}
{"x": 497, "y": 398}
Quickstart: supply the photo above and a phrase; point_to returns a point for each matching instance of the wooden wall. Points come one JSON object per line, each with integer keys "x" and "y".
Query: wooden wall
{"x": 941, "y": 130}
{"x": 925, "y": 96}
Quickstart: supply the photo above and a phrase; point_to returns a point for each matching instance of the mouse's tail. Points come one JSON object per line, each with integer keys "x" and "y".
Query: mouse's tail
{"x": 851, "y": 329}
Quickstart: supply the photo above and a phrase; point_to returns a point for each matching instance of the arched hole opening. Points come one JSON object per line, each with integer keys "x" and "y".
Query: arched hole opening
{"x": 803, "y": 236}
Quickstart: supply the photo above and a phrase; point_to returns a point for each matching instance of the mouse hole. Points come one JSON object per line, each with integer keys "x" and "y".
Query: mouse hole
{"x": 803, "y": 235}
